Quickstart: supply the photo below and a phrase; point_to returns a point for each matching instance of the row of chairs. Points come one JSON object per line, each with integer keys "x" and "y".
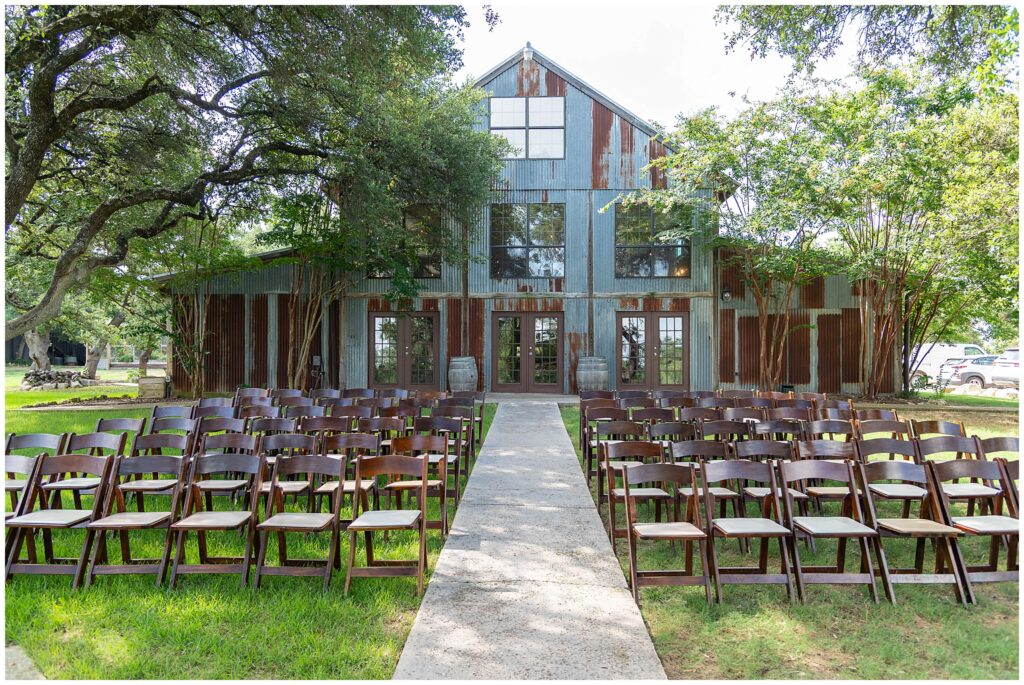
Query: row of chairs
{"x": 283, "y": 396}
{"x": 784, "y": 487}
{"x": 251, "y": 469}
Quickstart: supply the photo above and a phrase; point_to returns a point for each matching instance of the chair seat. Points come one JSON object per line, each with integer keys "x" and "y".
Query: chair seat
{"x": 411, "y": 484}
{"x": 829, "y": 491}
{"x": 149, "y": 485}
{"x": 620, "y": 465}
{"x": 831, "y": 525}
{"x": 898, "y": 491}
{"x": 761, "y": 493}
{"x": 436, "y": 458}
{"x": 214, "y": 520}
{"x": 988, "y": 525}
{"x": 750, "y": 527}
{"x": 50, "y": 518}
{"x": 221, "y": 484}
{"x": 83, "y": 483}
{"x": 668, "y": 531}
{"x": 288, "y": 487}
{"x": 917, "y": 527}
{"x": 715, "y": 492}
{"x": 350, "y": 486}
{"x": 641, "y": 492}
{"x": 15, "y": 485}
{"x": 131, "y": 519}
{"x": 968, "y": 490}
{"x": 386, "y": 518}
{"x": 299, "y": 520}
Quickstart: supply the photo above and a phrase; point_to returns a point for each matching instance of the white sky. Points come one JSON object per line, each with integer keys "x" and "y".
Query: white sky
{"x": 656, "y": 59}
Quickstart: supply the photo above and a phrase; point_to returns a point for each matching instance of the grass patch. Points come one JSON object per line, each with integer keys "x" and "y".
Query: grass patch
{"x": 839, "y": 633}
{"x": 209, "y": 628}
{"x": 969, "y": 400}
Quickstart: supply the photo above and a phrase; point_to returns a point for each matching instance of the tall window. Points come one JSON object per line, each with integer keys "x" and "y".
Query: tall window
{"x": 533, "y": 126}
{"x": 638, "y": 251}
{"x": 423, "y": 228}
{"x": 527, "y": 240}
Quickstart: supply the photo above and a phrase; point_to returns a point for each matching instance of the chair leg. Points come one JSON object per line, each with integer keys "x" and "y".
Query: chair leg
{"x": 332, "y": 549}
{"x": 351, "y": 561}
{"x": 705, "y": 568}
{"x": 261, "y": 558}
{"x": 250, "y": 534}
{"x": 865, "y": 553}
{"x": 83, "y": 558}
{"x": 179, "y": 556}
{"x": 798, "y": 569}
{"x": 422, "y": 568}
{"x": 164, "y": 558}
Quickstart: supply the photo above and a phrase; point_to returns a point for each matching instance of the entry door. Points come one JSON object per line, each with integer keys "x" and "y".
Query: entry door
{"x": 403, "y": 351}
{"x": 527, "y": 352}
{"x": 653, "y": 351}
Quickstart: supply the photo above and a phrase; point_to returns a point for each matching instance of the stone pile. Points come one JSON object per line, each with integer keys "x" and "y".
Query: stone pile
{"x": 53, "y": 380}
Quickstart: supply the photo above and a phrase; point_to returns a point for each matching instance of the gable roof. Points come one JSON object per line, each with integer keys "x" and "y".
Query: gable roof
{"x": 577, "y": 82}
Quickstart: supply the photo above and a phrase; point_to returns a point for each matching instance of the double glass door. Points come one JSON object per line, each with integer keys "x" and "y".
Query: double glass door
{"x": 527, "y": 352}
{"x": 653, "y": 351}
{"x": 403, "y": 352}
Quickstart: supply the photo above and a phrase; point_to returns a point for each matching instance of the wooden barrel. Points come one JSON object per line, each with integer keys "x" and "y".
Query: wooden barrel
{"x": 462, "y": 375}
{"x": 592, "y": 373}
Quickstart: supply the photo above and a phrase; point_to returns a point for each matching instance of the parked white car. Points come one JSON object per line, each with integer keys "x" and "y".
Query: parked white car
{"x": 928, "y": 371}
{"x": 987, "y": 371}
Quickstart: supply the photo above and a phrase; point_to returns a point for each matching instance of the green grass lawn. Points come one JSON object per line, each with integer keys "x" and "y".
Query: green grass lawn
{"x": 124, "y": 627}
{"x": 15, "y": 399}
{"x": 757, "y": 634}
{"x": 972, "y": 400}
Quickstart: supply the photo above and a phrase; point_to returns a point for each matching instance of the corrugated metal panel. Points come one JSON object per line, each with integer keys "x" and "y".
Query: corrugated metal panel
{"x": 798, "y": 349}
{"x": 214, "y": 340}
{"x": 812, "y": 295}
{"x": 333, "y": 341}
{"x": 702, "y": 311}
{"x": 179, "y": 375}
{"x": 830, "y": 356}
{"x": 749, "y": 336}
{"x": 851, "y": 345}
{"x": 232, "y": 344}
{"x": 727, "y": 345}
{"x": 284, "y": 314}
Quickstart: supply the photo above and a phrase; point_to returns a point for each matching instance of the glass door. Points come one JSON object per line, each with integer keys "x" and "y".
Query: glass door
{"x": 653, "y": 351}
{"x": 403, "y": 351}
{"x": 527, "y": 352}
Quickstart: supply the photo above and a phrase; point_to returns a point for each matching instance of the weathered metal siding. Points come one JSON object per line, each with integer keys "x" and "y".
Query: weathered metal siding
{"x": 260, "y": 337}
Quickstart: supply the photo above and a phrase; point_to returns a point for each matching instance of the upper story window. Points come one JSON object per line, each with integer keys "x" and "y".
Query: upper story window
{"x": 422, "y": 226}
{"x": 639, "y": 253}
{"x": 533, "y": 126}
{"x": 528, "y": 240}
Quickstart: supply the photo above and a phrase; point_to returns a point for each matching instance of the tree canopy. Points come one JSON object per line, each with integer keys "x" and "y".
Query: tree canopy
{"x": 129, "y": 126}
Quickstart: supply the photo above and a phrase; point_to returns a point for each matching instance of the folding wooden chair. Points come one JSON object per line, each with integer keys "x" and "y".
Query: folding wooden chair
{"x": 678, "y": 402}
{"x": 242, "y": 395}
{"x": 749, "y": 414}
{"x": 874, "y": 478}
{"x": 650, "y": 415}
{"x": 787, "y": 414}
{"x": 47, "y": 519}
{"x": 590, "y": 418}
{"x": 304, "y": 411}
{"x": 700, "y": 394}
{"x": 388, "y": 428}
{"x": 685, "y": 531}
{"x": 875, "y": 415}
{"x": 724, "y": 431}
{"x": 834, "y": 414}
{"x": 631, "y": 394}
{"x": 215, "y": 411}
{"x": 393, "y": 467}
{"x": 823, "y": 429}
{"x": 667, "y": 394}
{"x": 997, "y": 526}
{"x": 466, "y": 415}
{"x": 376, "y": 403}
{"x": 478, "y": 419}
{"x": 696, "y": 414}
{"x": 166, "y": 411}
{"x": 215, "y": 402}
{"x": 353, "y": 414}
{"x": 925, "y": 428}
{"x": 133, "y": 426}
{"x": 271, "y": 426}
{"x": 621, "y": 456}
{"x": 248, "y": 412}
{"x": 358, "y": 392}
{"x": 286, "y": 392}
{"x": 222, "y": 444}
{"x": 896, "y": 430}
{"x": 739, "y": 393}
{"x": 990, "y": 447}
{"x": 671, "y": 431}
{"x": 125, "y": 475}
{"x": 154, "y": 445}
{"x": 772, "y": 395}
{"x": 974, "y": 493}
{"x": 397, "y": 393}
{"x": 595, "y": 394}
{"x": 796, "y": 403}
{"x": 22, "y": 465}
{"x": 267, "y": 401}
{"x": 761, "y": 403}
{"x": 778, "y": 429}
{"x": 282, "y": 522}
{"x": 612, "y": 431}
{"x": 458, "y": 434}
{"x": 324, "y": 394}
{"x": 172, "y": 424}
{"x": 295, "y": 401}
{"x": 95, "y": 444}
{"x": 435, "y": 449}
{"x": 329, "y": 402}
{"x": 637, "y": 402}
{"x": 350, "y": 446}
{"x": 716, "y": 402}
{"x": 906, "y": 450}
{"x": 281, "y": 446}
{"x": 199, "y": 521}
{"x": 743, "y": 528}
{"x": 849, "y": 525}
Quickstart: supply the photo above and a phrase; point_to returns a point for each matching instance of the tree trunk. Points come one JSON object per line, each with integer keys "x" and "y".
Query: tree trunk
{"x": 92, "y": 358}
{"x": 38, "y": 348}
{"x": 144, "y": 362}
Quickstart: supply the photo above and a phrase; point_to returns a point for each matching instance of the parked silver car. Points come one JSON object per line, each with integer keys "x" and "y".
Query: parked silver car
{"x": 987, "y": 371}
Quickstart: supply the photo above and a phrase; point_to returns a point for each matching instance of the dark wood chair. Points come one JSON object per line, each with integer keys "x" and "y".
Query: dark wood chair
{"x": 611, "y": 431}
{"x": 36, "y": 444}
{"x": 257, "y": 411}
{"x": 337, "y": 402}
{"x": 925, "y": 428}
{"x": 221, "y": 444}
{"x": 304, "y": 411}
{"x": 376, "y": 403}
{"x": 631, "y": 394}
{"x": 849, "y": 525}
{"x": 199, "y": 521}
{"x": 875, "y": 415}
{"x": 744, "y": 528}
{"x": 471, "y": 402}
{"x": 621, "y": 456}
{"x": 246, "y": 395}
{"x": 163, "y": 411}
{"x": 716, "y": 402}
{"x": 267, "y": 401}
{"x": 787, "y": 414}
{"x": 1011, "y": 476}
{"x": 592, "y": 415}
{"x": 696, "y": 414}
{"x": 597, "y": 394}
{"x": 95, "y": 444}
{"x": 479, "y": 399}
{"x": 667, "y": 394}
{"x": 125, "y": 476}
{"x": 637, "y": 402}
{"x": 651, "y": 415}
{"x": 878, "y": 477}
{"x": 906, "y": 450}
{"x": 322, "y": 427}
{"x": 468, "y": 416}
{"x": 294, "y": 401}
{"x": 1004, "y": 446}
{"x": 154, "y": 445}
{"x": 307, "y": 523}
{"x": 283, "y": 446}
{"x": 434, "y": 448}
{"x": 324, "y": 394}
{"x": 724, "y": 431}
{"x": 896, "y": 430}
{"x": 387, "y": 427}
{"x": 762, "y": 450}
{"x": 774, "y": 395}
{"x": 700, "y": 394}
{"x": 761, "y": 403}
{"x": 286, "y": 392}
{"x": 393, "y": 467}
{"x": 678, "y": 402}
{"x": 271, "y": 426}
{"x": 834, "y": 414}
{"x": 750, "y": 414}
{"x": 397, "y": 393}
{"x": 778, "y": 429}
{"x": 656, "y": 477}
{"x": 795, "y": 403}
{"x": 671, "y": 431}
{"x": 358, "y": 392}
{"x": 55, "y": 468}
{"x": 816, "y": 397}
{"x": 406, "y": 414}
{"x": 458, "y": 435}
{"x": 353, "y": 414}
{"x": 172, "y": 424}
{"x": 215, "y": 411}
{"x": 822, "y": 429}
{"x": 134, "y": 426}
{"x": 1000, "y": 527}
{"x": 215, "y": 402}
{"x": 738, "y": 393}
{"x": 16, "y": 465}
{"x": 351, "y": 446}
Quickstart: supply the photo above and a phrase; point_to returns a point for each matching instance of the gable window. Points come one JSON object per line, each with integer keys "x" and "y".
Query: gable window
{"x": 533, "y": 126}
{"x": 528, "y": 240}
{"x": 638, "y": 251}
{"x": 422, "y": 227}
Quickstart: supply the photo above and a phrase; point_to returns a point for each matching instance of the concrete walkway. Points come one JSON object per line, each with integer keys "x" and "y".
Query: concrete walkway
{"x": 527, "y": 586}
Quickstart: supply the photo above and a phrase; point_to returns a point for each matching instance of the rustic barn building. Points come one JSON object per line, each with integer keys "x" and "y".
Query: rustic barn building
{"x": 566, "y": 273}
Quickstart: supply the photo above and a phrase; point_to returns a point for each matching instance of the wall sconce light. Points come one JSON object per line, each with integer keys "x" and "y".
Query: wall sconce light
{"x": 528, "y": 52}
{"x": 726, "y": 293}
